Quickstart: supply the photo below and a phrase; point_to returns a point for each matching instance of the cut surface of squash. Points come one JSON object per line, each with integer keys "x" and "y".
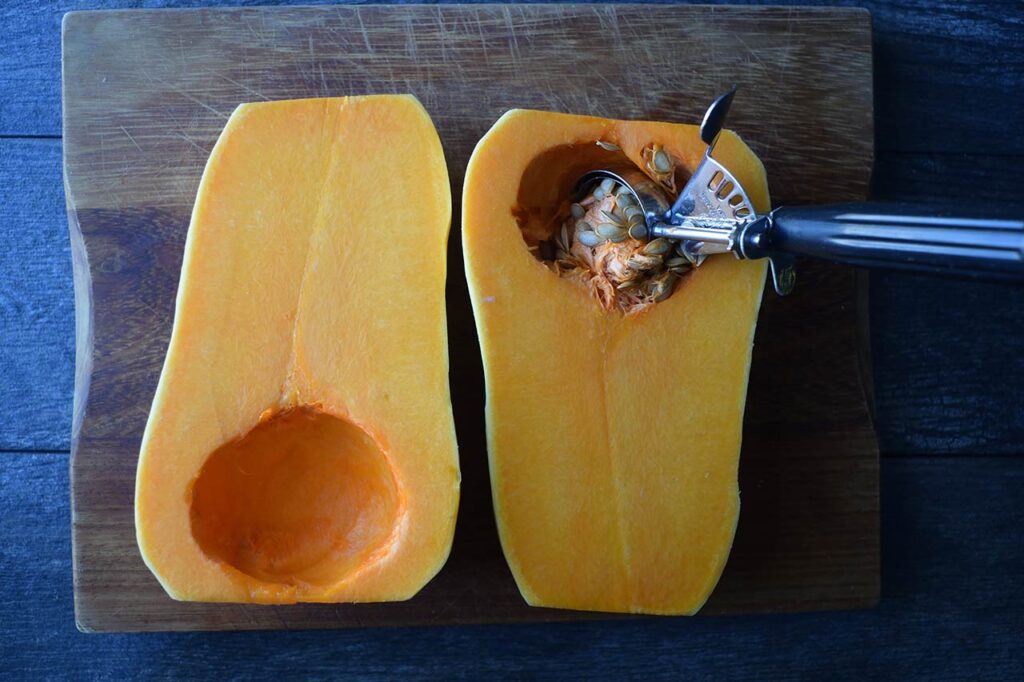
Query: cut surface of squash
{"x": 301, "y": 446}
{"x": 613, "y": 435}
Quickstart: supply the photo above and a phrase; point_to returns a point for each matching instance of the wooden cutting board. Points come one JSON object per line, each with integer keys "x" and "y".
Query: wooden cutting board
{"x": 147, "y": 92}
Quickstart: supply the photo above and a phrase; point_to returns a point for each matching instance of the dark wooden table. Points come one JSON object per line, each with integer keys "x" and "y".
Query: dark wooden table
{"x": 949, "y": 397}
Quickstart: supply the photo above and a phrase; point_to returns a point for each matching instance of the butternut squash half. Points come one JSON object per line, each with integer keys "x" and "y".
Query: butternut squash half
{"x": 301, "y": 445}
{"x": 613, "y": 430}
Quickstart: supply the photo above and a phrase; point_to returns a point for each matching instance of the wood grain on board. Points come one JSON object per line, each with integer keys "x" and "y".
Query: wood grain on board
{"x": 147, "y": 93}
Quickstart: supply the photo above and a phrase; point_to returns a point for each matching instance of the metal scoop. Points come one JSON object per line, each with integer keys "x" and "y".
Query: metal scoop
{"x": 713, "y": 214}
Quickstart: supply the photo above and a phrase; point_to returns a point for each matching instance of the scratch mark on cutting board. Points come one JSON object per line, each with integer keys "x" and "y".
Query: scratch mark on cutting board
{"x": 251, "y": 91}
{"x": 751, "y": 51}
{"x": 441, "y": 35}
{"x": 185, "y": 136}
{"x": 483, "y": 38}
{"x": 608, "y": 18}
{"x": 514, "y": 40}
{"x": 410, "y": 39}
{"x": 596, "y": 69}
{"x": 129, "y": 135}
{"x": 186, "y": 95}
{"x": 362, "y": 30}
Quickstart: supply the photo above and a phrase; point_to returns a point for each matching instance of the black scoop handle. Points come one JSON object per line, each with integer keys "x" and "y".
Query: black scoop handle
{"x": 896, "y": 236}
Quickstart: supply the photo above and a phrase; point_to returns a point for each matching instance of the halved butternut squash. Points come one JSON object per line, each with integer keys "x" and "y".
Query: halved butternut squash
{"x": 301, "y": 445}
{"x": 614, "y": 425}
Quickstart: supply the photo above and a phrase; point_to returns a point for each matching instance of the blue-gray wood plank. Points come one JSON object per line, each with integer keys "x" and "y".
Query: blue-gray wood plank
{"x": 37, "y": 327}
{"x": 949, "y": 380}
{"x": 951, "y": 608}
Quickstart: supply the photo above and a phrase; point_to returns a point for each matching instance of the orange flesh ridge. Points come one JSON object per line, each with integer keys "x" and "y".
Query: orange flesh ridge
{"x": 613, "y": 439}
{"x": 301, "y": 446}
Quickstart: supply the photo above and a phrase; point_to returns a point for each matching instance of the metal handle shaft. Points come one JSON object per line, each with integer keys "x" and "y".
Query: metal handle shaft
{"x": 896, "y": 236}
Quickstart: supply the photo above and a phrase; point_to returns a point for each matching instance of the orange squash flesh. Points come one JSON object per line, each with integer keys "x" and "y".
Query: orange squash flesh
{"x": 613, "y": 438}
{"x": 301, "y": 445}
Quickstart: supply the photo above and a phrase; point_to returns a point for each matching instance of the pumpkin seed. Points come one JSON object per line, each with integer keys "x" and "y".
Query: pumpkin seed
{"x": 619, "y": 237}
{"x": 663, "y": 285}
{"x": 588, "y": 238}
{"x": 598, "y": 194}
{"x": 638, "y": 231}
{"x": 577, "y": 211}
{"x": 677, "y": 264}
{"x": 566, "y": 263}
{"x": 662, "y": 162}
{"x": 610, "y": 230}
{"x": 583, "y": 225}
{"x": 642, "y": 262}
{"x": 614, "y": 219}
{"x": 608, "y": 185}
{"x": 566, "y": 239}
{"x": 628, "y": 284}
{"x": 684, "y": 249}
{"x": 634, "y": 211}
{"x": 691, "y": 252}
{"x": 608, "y": 146}
{"x": 662, "y": 291}
{"x": 658, "y": 247}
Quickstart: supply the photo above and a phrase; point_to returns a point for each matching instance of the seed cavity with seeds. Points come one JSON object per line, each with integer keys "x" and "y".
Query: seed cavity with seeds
{"x": 601, "y": 241}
